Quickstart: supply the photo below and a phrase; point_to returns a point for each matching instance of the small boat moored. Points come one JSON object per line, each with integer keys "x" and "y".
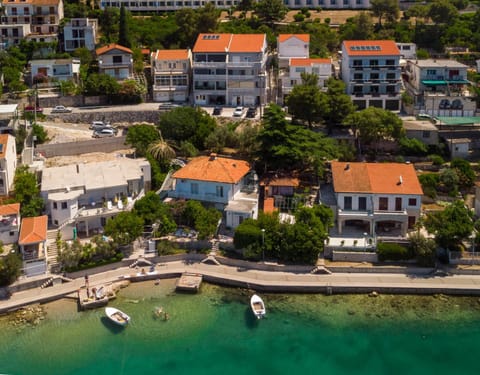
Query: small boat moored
{"x": 258, "y": 307}
{"x": 117, "y": 316}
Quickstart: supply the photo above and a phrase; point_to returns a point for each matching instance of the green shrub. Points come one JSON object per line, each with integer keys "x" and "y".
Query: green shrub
{"x": 246, "y": 234}
{"x": 412, "y": 146}
{"x": 299, "y": 17}
{"x": 436, "y": 159}
{"x": 392, "y": 251}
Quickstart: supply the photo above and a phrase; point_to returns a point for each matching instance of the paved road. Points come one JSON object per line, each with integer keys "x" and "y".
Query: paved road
{"x": 266, "y": 281}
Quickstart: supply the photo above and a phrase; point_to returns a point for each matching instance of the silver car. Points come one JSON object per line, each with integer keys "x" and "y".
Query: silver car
{"x": 61, "y": 109}
{"x": 105, "y": 132}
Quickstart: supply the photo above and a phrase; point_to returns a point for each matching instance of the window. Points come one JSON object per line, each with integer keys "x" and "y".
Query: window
{"x": 398, "y": 204}
{"x": 300, "y": 70}
{"x": 374, "y": 76}
{"x": 194, "y": 188}
{"x": 412, "y": 201}
{"x": 390, "y": 75}
{"x": 358, "y": 76}
{"x": 426, "y": 134}
{"x": 55, "y": 205}
{"x": 357, "y": 62}
{"x": 117, "y": 59}
{"x": 390, "y": 62}
{"x": 11, "y": 233}
{"x": 220, "y": 191}
{"x": 64, "y": 205}
{"x": 383, "y": 203}
{"x": 373, "y": 62}
{"x": 431, "y": 72}
{"x": 347, "y": 203}
{"x": 362, "y": 203}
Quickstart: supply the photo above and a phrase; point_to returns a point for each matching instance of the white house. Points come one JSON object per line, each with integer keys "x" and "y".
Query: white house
{"x": 80, "y": 32}
{"x": 54, "y": 70}
{"x": 8, "y": 118}
{"x": 439, "y": 87}
{"x": 228, "y": 184}
{"x": 9, "y": 222}
{"x": 371, "y": 72}
{"x": 171, "y": 72}
{"x": 116, "y": 61}
{"x": 322, "y": 68}
{"x": 407, "y": 50}
{"x": 230, "y": 69}
{"x": 32, "y": 242}
{"x": 380, "y": 199}
{"x": 87, "y": 194}
{"x": 8, "y": 163}
{"x": 292, "y": 46}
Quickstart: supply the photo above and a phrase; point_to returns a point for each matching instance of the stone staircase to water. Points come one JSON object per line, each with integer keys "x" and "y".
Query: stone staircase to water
{"x": 52, "y": 251}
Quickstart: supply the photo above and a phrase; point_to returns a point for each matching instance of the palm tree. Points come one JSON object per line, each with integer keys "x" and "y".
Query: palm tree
{"x": 161, "y": 149}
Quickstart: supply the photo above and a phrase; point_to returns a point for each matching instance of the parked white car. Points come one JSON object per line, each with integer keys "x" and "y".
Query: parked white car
{"x": 105, "y": 132}
{"x": 238, "y": 112}
{"x": 61, "y": 109}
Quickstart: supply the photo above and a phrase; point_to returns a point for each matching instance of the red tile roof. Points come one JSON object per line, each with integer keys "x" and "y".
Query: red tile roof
{"x": 382, "y": 48}
{"x": 280, "y": 181}
{"x": 303, "y": 37}
{"x": 229, "y": 42}
{"x": 10, "y": 209}
{"x": 33, "y": 2}
{"x": 33, "y": 230}
{"x": 4, "y": 142}
{"x": 308, "y": 62}
{"x": 375, "y": 178}
{"x": 110, "y": 47}
{"x": 171, "y": 54}
{"x": 214, "y": 169}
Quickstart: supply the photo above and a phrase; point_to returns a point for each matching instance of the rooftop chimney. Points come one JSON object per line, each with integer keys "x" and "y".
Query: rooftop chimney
{"x": 347, "y": 166}
{"x": 400, "y": 180}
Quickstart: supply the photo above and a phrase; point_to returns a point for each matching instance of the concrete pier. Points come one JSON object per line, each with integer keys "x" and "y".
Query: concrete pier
{"x": 189, "y": 282}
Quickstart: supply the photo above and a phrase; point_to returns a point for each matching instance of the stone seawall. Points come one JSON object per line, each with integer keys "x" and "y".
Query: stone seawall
{"x": 82, "y": 147}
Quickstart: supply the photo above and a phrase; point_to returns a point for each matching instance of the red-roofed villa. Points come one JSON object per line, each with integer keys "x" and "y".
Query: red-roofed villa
{"x": 116, "y": 61}
{"x": 33, "y": 245}
{"x": 226, "y": 183}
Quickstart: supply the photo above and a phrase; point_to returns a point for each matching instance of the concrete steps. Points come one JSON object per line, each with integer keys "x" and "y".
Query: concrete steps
{"x": 52, "y": 251}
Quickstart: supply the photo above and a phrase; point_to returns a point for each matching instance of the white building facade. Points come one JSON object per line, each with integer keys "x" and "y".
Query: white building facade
{"x": 230, "y": 69}
{"x": 8, "y": 163}
{"x": 171, "y": 75}
{"x": 371, "y": 72}
{"x": 78, "y": 33}
{"x": 292, "y": 46}
{"x": 116, "y": 61}
{"x": 439, "y": 87}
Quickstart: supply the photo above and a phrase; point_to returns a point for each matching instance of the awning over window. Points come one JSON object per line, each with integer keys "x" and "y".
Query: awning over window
{"x": 458, "y": 82}
{"x": 429, "y": 82}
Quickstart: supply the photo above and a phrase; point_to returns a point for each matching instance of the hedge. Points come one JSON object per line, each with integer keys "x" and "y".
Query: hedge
{"x": 393, "y": 251}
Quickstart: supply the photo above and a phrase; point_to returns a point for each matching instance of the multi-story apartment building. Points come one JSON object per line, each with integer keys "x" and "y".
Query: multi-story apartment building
{"x": 371, "y": 72}
{"x": 80, "y": 32}
{"x": 439, "y": 87}
{"x": 230, "y": 69}
{"x": 171, "y": 75}
{"x": 162, "y": 6}
{"x": 9, "y": 222}
{"x": 116, "y": 61}
{"x": 42, "y": 17}
{"x": 86, "y": 195}
{"x": 292, "y": 46}
{"x": 8, "y": 163}
{"x": 322, "y": 68}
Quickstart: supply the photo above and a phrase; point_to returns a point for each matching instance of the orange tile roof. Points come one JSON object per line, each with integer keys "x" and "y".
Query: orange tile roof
{"x": 171, "y": 54}
{"x": 4, "y": 142}
{"x": 214, "y": 169}
{"x": 229, "y": 42}
{"x": 247, "y": 43}
{"x": 112, "y": 46}
{"x": 308, "y": 62}
{"x": 303, "y": 37}
{"x": 280, "y": 181}
{"x": 33, "y": 230}
{"x": 386, "y": 47}
{"x": 10, "y": 209}
{"x": 375, "y": 178}
{"x": 268, "y": 205}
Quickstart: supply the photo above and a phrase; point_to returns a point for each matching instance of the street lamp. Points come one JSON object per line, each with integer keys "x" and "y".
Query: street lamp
{"x": 263, "y": 245}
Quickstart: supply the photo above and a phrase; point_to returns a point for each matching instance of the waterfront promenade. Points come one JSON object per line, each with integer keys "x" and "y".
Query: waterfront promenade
{"x": 264, "y": 281}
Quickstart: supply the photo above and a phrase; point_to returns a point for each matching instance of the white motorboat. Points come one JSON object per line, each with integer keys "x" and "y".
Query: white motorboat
{"x": 117, "y": 316}
{"x": 258, "y": 307}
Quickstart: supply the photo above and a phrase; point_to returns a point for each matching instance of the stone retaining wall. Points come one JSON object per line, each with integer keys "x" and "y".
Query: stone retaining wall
{"x": 354, "y": 256}
{"x": 82, "y": 147}
{"x": 110, "y": 115}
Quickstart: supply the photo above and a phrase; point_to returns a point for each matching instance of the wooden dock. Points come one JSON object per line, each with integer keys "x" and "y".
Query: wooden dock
{"x": 189, "y": 282}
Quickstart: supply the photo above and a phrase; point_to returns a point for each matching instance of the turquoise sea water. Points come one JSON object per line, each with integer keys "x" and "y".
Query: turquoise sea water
{"x": 214, "y": 332}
